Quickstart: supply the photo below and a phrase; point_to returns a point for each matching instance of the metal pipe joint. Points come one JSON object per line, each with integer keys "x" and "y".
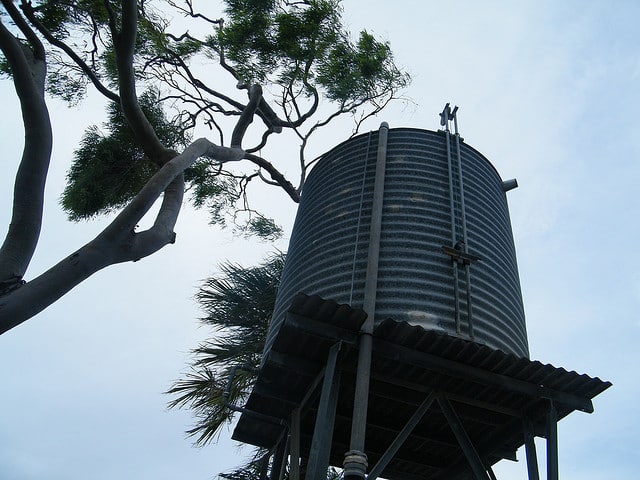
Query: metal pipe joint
{"x": 355, "y": 465}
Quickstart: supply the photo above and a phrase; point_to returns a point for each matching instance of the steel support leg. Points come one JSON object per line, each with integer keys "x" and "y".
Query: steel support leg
{"x": 325, "y": 419}
{"x": 530, "y": 447}
{"x": 294, "y": 442}
{"x": 278, "y": 459}
{"x": 264, "y": 466}
{"x": 552, "y": 443}
{"x": 475, "y": 462}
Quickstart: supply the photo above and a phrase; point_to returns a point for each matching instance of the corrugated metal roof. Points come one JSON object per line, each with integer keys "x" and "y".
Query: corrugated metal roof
{"x": 491, "y": 391}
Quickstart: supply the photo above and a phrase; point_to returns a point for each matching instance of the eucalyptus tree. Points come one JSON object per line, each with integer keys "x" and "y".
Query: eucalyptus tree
{"x": 164, "y": 70}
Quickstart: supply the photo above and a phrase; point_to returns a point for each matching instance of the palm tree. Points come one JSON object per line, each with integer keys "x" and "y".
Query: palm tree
{"x": 238, "y": 304}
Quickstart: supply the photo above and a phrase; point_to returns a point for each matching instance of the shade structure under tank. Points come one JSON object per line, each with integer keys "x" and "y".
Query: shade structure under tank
{"x": 446, "y": 258}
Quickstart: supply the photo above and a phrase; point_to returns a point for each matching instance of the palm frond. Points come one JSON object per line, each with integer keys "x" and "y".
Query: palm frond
{"x": 238, "y": 305}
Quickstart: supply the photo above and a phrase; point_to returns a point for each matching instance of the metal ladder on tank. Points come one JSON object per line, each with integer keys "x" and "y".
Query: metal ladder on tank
{"x": 458, "y": 251}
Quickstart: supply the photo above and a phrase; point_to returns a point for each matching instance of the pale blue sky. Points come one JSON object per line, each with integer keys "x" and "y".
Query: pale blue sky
{"x": 547, "y": 90}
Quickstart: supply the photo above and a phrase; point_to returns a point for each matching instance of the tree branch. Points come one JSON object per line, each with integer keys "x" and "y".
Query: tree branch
{"x": 28, "y": 194}
{"x": 201, "y": 85}
{"x": 32, "y": 38}
{"x": 113, "y": 21}
{"x": 316, "y": 98}
{"x": 29, "y": 12}
{"x": 124, "y": 43}
{"x": 127, "y": 220}
{"x": 269, "y": 117}
{"x": 191, "y": 13}
{"x": 263, "y": 142}
{"x": 255, "y": 95}
{"x": 118, "y": 242}
{"x": 266, "y": 113}
{"x": 277, "y": 177}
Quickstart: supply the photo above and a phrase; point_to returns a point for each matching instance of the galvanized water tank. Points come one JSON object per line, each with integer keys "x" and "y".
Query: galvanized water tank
{"x": 438, "y": 192}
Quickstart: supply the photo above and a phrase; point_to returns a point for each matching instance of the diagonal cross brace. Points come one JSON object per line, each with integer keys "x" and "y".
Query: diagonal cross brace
{"x": 401, "y": 437}
{"x": 475, "y": 462}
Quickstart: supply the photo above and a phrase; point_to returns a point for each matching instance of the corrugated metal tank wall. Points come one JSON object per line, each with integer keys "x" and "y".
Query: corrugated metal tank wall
{"x": 327, "y": 253}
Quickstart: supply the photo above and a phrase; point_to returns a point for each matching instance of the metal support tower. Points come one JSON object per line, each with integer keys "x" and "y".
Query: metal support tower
{"x": 439, "y": 407}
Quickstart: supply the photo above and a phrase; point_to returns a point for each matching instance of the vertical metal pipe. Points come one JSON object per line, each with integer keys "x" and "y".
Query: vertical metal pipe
{"x": 463, "y": 214}
{"x": 371, "y": 281}
{"x": 452, "y": 212}
{"x": 361, "y": 396}
{"x": 552, "y": 443}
